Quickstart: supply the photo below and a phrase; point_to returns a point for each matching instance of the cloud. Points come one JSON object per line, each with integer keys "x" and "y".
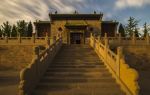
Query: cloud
{"x": 121, "y": 4}
{"x": 13, "y": 10}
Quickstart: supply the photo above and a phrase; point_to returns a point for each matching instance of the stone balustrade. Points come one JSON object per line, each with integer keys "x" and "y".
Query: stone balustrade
{"x": 25, "y": 40}
{"x": 125, "y": 76}
{"x": 127, "y": 40}
{"x": 31, "y": 75}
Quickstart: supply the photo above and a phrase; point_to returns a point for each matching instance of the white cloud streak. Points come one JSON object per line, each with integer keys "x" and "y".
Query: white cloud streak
{"x": 121, "y": 4}
{"x": 13, "y": 10}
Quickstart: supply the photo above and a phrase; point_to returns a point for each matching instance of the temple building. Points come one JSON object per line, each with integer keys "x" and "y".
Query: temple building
{"x": 75, "y": 28}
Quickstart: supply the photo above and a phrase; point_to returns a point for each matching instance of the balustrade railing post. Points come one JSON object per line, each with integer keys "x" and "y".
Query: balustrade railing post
{"x": 54, "y": 39}
{"x": 105, "y": 36}
{"x": 33, "y": 37}
{"x": 99, "y": 38}
{"x": 147, "y": 39}
{"x": 119, "y": 38}
{"x": 106, "y": 49}
{"x": 19, "y": 38}
{"x": 133, "y": 39}
{"x": 119, "y": 56}
{"x": 91, "y": 34}
{"x": 47, "y": 40}
{"x": 6, "y": 39}
{"x": 36, "y": 56}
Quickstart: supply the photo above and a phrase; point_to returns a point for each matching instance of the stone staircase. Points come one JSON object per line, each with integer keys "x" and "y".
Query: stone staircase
{"x": 77, "y": 70}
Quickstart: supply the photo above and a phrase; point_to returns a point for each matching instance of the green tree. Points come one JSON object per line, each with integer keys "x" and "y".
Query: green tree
{"x": 131, "y": 26}
{"x": 30, "y": 29}
{"x": 136, "y": 32}
{"x": 22, "y": 28}
{"x": 14, "y": 31}
{"x": 1, "y": 32}
{"x": 122, "y": 30}
{"x": 146, "y": 29}
{"x": 6, "y": 28}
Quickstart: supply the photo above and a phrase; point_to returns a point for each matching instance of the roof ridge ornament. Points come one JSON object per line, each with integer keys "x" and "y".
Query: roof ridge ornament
{"x": 55, "y": 12}
{"x": 75, "y": 12}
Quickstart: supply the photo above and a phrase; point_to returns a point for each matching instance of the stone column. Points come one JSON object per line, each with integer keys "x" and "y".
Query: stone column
{"x": 119, "y": 56}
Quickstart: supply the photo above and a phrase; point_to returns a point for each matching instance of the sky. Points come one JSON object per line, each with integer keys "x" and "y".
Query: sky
{"x": 119, "y": 10}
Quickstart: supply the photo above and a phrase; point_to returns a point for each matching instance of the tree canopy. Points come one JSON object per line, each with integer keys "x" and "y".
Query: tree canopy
{"x": 1, "y": 32}
{"x": 22, "y": 28}
{"x": 30, "y": 29}
{"x": 6, "y": 29}
{"x": 122, "y": 30}
{"x": 146, "y": 29}
{"x": 132, "y": 26}
{"x": 14, "y": 31}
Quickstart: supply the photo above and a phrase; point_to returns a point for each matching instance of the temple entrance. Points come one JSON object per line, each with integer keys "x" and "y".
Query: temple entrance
{"x": 76, "y": 38}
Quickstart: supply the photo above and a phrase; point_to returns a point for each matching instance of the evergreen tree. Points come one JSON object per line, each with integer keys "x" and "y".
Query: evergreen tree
{"x": 146, "y": 29}
{"x": 1, "y": 32}
{"x": 122, "y": 30}
{"x": 136, "y": 32}
{"x": 131, "y": 26}
{"x": 22, "y": 28}
{"x": 30, "y": 29}
{"x": 14, "y": 31}
{"x": 6, "y": 28}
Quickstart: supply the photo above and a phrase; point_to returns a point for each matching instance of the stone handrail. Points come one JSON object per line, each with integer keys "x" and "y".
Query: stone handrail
{"x": 128, "y": 40}
{"x": 30, "y": 76}
{"x": 24, "y": 40}
{"x": 124, "y": 75}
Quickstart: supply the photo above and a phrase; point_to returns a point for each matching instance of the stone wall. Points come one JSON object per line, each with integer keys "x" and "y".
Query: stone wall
{"x": 15, "y": 57}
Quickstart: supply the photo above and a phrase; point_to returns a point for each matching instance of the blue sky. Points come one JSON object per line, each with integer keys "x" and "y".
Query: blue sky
{"x": 120, "y": 10}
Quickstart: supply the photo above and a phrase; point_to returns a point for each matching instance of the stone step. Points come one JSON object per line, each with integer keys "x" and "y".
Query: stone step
{"x": 78, "y": 74}
{"x": 76, "y": 60}
{"x": 52, "y": 86}
{"x": 76, "y": 66}
{"x": 74, "y": 51}
{"x": 80, "y": 91}
{"x": 77, "y": 70}
{"x": 78, "y": 56}
{"x": 76, "y": 63}
{"x": 76, "y": 80}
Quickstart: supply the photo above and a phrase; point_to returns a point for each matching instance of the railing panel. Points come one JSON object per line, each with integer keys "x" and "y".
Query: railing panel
{"x": 125, "y": 76}
{"x": 30, "y": 76}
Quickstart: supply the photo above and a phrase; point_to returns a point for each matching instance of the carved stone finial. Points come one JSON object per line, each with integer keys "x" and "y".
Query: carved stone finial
{"x": 75, "y": 12}
{"x": 55, "y": 12}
